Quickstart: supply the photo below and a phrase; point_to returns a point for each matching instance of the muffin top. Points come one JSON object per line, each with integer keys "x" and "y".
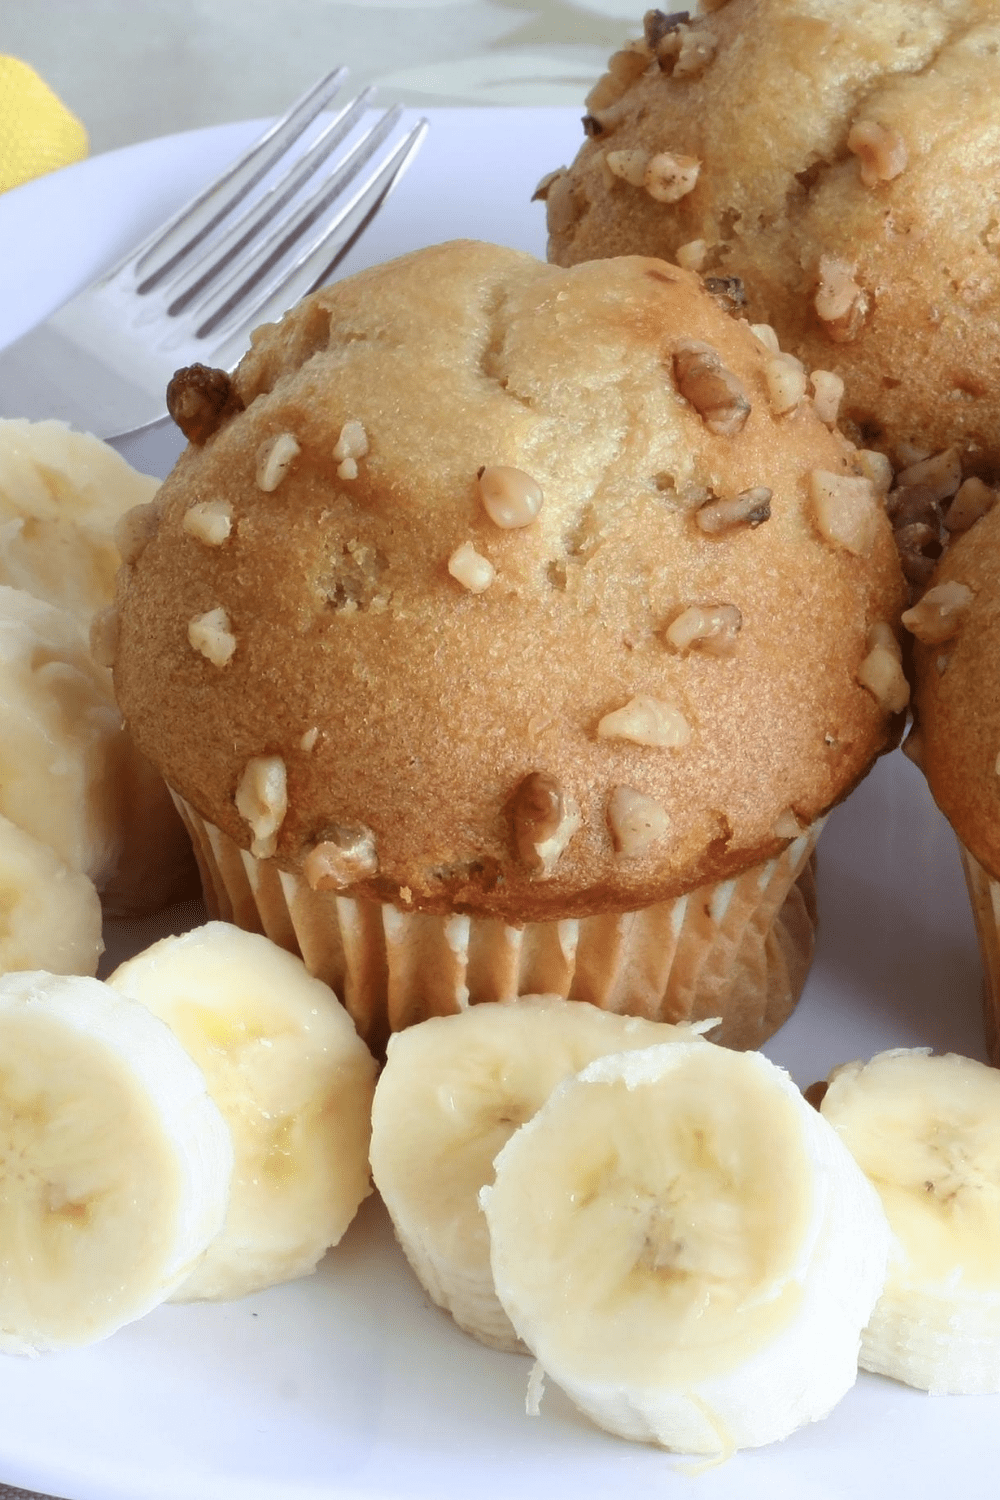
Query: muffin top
{"x": 505, "y": 588}
{"x": 832, "y": 154}
{"x": 956, "y": 627}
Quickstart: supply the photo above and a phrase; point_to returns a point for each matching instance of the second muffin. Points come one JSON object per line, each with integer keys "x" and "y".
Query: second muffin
{"x": 500, "y": 634}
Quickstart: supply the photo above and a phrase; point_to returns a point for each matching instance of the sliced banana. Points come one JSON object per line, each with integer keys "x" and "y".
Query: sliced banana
{"x": 686, "y": 1247}
{"x": 62, "y": 744}
{"x": 50, "y": 917}
{"x": 926, "y": 1131}
{"x": 453, "y": 1091}
{"x": 61, "y": 495}
{"x": 294, "y": 1083}
{"x": 114, "y": 1162}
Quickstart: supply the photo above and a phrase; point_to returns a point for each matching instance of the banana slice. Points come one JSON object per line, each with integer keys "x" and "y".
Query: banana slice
{"x": 294, "y": 1082}
{"x": 926, "y": 1131}
{"x": 50, "y": 917}
{"x": 114, "y": 1162}
{"x": 687, "y": 1248}
{"x": 453, "y": 1091}
{"x": 62, "y": 745}
{"x": 61, "y": 495}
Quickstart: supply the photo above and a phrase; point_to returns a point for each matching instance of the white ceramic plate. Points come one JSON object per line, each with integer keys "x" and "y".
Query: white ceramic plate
{"x": 349, "y": 1385}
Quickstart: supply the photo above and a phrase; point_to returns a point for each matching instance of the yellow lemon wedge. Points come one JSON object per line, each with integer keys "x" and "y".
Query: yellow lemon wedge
{"x": 37, "y": 132}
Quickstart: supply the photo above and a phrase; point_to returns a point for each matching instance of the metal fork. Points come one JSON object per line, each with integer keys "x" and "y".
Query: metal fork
{"x": 241, "y": 252}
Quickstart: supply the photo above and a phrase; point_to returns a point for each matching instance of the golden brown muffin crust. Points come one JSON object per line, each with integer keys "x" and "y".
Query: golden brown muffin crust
{"x": 787, "y": 110}
{"x": 401, "y": 701}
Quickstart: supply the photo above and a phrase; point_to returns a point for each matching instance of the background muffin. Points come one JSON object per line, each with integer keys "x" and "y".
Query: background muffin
{"x": 956, "y": 739}
{"x": 503, "y": 604}
{"x": 831, "y": 154}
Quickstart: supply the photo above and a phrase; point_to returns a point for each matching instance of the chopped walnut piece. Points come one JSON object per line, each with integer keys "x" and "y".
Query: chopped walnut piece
{"x": 656, "y": 24}
{"x": 939, "y": 613}
{"x": 698, "y": 47}
{"x": 646, "y": 721}
{"x": 750, "y": 508}
{"x": 469, "y": 568}
{"x": 209, "y": 521}
{"x": 262, "y": 800}
{"x": 908, "y": 453}
{"x": 917, "y": 528}
{"x": 714, "y": 392}
{"x": 728, "y": 292}
{"x": 881, "y": 671}
{"x": 308, "y": 740}
{"x": 845, "y": 510}
{"x": 828, "y": 392}
{"x": 511, "y": 498}
{"x": 104, "y": 629}
{"x": 135, "y": 530}
{"x": 351, "y": 445}
{"x": 200, "y": 399}
{"x": 876, "y": 467}
{"x": 940, "y": 475}
{"x": 544, "y": 820}
{"x": 972, "y": 500}
{"x": 630, "y": 166}
{"x": 344, "y": 857}
{"x": 624, "y": 67}
{"x": 712, "y": 628}
{"x": 841, "y": 304}
{"x": 212, "y": 635}
{"x": 691, "y": 257}
{"x": 880, "y": 149}
{"x": 765, "y": 334}
{"x": 787, "y": 826}
{"x": 669, "y": 177}
{"x": 785, "y": 378}
{"x": 274, "y": 458}
{"x": 635, "y": 821}
{"x": 541, "y": 193}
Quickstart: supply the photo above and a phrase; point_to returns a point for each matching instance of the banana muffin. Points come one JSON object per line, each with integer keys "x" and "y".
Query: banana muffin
{"x": 833, "y": 156}
{"x": 507, "y": 629}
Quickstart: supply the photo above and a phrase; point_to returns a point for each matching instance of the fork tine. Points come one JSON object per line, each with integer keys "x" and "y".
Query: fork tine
{"x": 256, "y": 161}
{"x": 235, "y": 314}
{"x": 283, "y": 237}
{"x": 216, "y": 256}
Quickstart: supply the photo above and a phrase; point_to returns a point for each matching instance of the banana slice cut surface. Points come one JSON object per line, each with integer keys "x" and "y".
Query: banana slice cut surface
{"x": 453, "y": 1091}
{"x": 294, "y": 1082}
{"x": 687, "y": 1249}
{"x": 926, "y": 1131}
{"x": 50, "y": 917}
{"x": 114, "y": 1162}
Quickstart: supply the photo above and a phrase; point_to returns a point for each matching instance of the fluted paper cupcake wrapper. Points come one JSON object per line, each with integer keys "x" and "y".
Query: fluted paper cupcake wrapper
{"x": 984, "y": 894}
{"x": 739, "y": 949}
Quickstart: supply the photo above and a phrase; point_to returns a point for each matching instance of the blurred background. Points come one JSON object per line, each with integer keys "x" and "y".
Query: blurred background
{"x": 132, "y": 69}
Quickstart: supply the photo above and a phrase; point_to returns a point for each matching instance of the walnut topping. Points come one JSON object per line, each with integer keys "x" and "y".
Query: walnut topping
{"x": 624, "y": 68}
{"x": 541, "y": 193}
{"x": 274, "y": 458}
{"x": 691, "y": 257}
{"x": 200, "y": 399}
{"x": 308, "y": 740}
{"x": 845, "y": 510}
{"x": 841, "y": 304}
{"x": 351, "y": 445}
{"x": 787, "y": 826}
{"x": 728, "y": 293}
{"x": 630, "y": 166}
{"x": 785, "y": 378}
{"x": 544, "y": 820}
{"x": 656, "y": 24}
{"x": 135, "y": 530}
{"x": 972, "y": 500}
{"x": 714, "y": 392}
{"x": 211, "y": 634}
{"x": 469, "y": 568}
{"x": 712, "y": 628}
{"x": 749, "y": 508}
{"x": 511, "y": 498}
{"x": 262, "y": 800}
{"x": 938, "y": 615}
{"x": 346, "y": 856}
{"x": 669, "y": 177}
{"x": 104, "y": 628}
{"x": 941, "y": 474}
{"x": 827, "y": 392}
{"x": 876, "y": 467}
{"x": 880, "y": 149}
{"x": 646, "y": 721}
{"x": 881, "y": 671}
{"x": 917, "y": 528}
{"x": 209, "y": 521}
{"x": 765, "y": 334}
{"x": 635, "y": 821}
{"x": 697, "y": 48}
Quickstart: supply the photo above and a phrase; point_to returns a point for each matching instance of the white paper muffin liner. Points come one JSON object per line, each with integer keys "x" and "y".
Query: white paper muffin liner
{"x": 739, "y": 949}
{"x": 984, "y": 894}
